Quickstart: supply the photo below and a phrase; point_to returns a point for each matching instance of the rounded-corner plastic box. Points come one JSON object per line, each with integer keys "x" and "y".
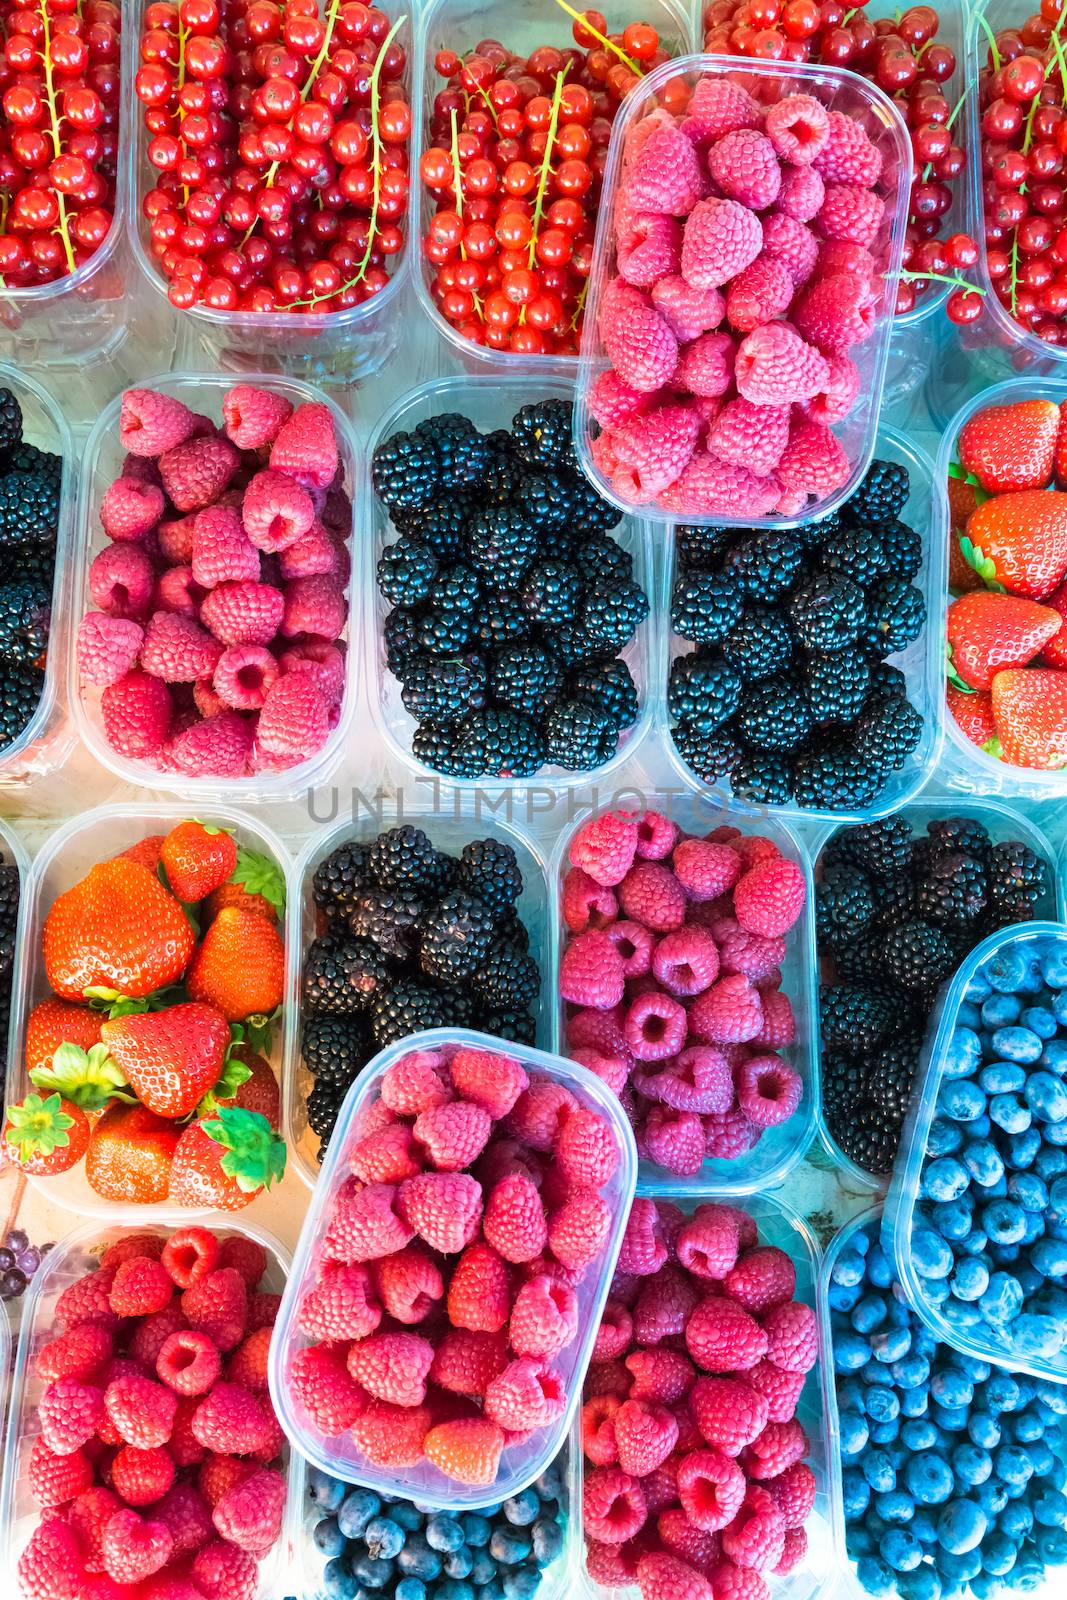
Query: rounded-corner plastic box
{"x": 779, "y": 1224}
{"x": 767, "y": 81}
{"x": 490, "y": 401}
{"x": 779, "y": 1149}
{"x": 1003, "y": 822}
{"x": 460, "y": 26}
{"x": 80, "y": 843}
{"x": 902, "y": 1203}
{"x": 72, "y": 1258}
{"x": 449, "y": 829}
{"x": 424, "y": 1483}
{"x": 102, "y": 463}
{"x": 922, "y": 662}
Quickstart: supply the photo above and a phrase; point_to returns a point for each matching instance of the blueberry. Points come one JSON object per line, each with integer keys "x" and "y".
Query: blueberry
{"x": 970, "y": 1279}
{"x": 509, "y": 1546}
{"x": 356, "y": 1510}
{"x": 418, "y": 1559}
{"x": 910, "y": 1371}
{"x": 929, "y": 1479}
{"x": 891, "y": 1345}
{"x": 958, "y": 1567}
{"x": 962, "y": 1313}
{"x": 1004, "y": 1393}
{"x": 1017, "y": 1044}
{"x": 932, "y": 1256}
{"x": 944, "y": 1179}
{"x": 1040, "y": 1020}
{"x": 895, "y": 1508}
{"x": 849, "y": 1269}
{"x": 841, "y": 1297}
{"x": 952, "y": 1418}
{"x": 324, "y": 1491}
{"x": 1009, "y": 1113}
{"x": 1002, "y": 1300}
{"x": 328, "y": 1538}
{"x": 961, "y": 1099}
{"x": 914, "y": 1402}
{"x": 459, "y": 1563}
{"x": 404, "y": 1514}
{"x": 920, "y": 1433}
{"x": 854, "y": 1433}
{"x": 410, "y": 1589}
{"x": 1054, "y": 1055}
{"x": 953, "y": 1219}
{"x": 963, "y": 1054}
{"x": 999, "y": 1554}
{"x": 971, "y": 1465}
{"x": 1002, "y": 1077}
{"x": 975, "y": 1243}
{"x": 992, "y": 1496}
{"x": 1016, "y": 1521}
{"x": 547, "y": 1541}
{"x": 444, "y": 1532}
{"x": 875, "y": 1576}
{"x": 952, "y": 1387}
{"x": 520, "y": 1585}
{"x": 477, "y": 1529}
{"x": 550, "y": 1484}
{"x": 900, "y": 1550}
{"x": 1013, "y": 1464}
{"x": 869, "y": 1313}
{"x": 1001, "y": 1010}
{"x": 385, "y": 1538}
{"x": 922, "y": 1584}
{"x": 880, "y": 1270}
{"x": 850, "y": 1351}
{"x": 338, "y": 1581}
{"x": 493, "y": 1590}
{"x": 483, "y": 1568}
{"x": 944, "y": 1137}
{"x": 1046, "y": 1096}
{"x": 1034, "y": 1335}
{"x": 522, "y": 1509}
{"x": 454, "y": 1589}
{"x": 1023, "y": 1149}
{"x": 885, "y": 1432}
{"x": 856, "y": 1493}
{"x": 372, "y": 1572}
{"x": 983, "y": 1161}
{"x": 1053, "y": 961}
{"x": 1052, "y": 1546}
{"x": 882, "y": 1404}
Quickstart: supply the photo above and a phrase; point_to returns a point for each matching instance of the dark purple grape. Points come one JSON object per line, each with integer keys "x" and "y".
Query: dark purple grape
{"x": 17, "y": 1240}
{"x": 28, "y": 1261}
{"x": 7, "y": 1259}
{"x": 12, "y": 1284}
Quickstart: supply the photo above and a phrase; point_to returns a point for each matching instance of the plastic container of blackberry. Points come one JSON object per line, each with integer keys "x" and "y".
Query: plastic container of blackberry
{"x": 67, "y": 855}
{"x": 779, "y": 1150}
{"x": 767, "y": 81}
{"x": 521, "y": 1463}
{"x": 1003, "y": 822}
{"x": 489, "y": 402}
{"x": 779, "y": 1224}
{"x": 449, "y": 827}
{"x": 74, "y": 1256}
{"x": 102, "y": 462}
{"x": 902, "y": 1201}
{"x": 922, "y": 662}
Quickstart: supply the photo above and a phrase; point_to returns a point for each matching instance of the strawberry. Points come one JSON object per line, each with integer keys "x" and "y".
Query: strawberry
{"x": 1011, "y": 447}
{"x": 256, "y": 884}
{"x": 225, "y": 1161}
{"x": 962, "y": 578}
{"x": 88, "y": 1078}
{"x": 247, "y": 1083}
{"x": 987, "y": 632}
{"x": 46, "y": 1136}
{"x": 1019, "y": 542}
{"x": 973, "y": 715}
{"x": 962, "y": 500}
{"x": 117, "y": 930}
{"x": 55, "y": 1022}
{"x": 130, "y": 1154}
{"x": 1055, "y": 651}
{"x": 172, "y": 1057}
{"x": 1030, "y": 711}
{"x": 146, "y": 851}
{"x": 239, "y": 965}
{"x": 197, "y": 858}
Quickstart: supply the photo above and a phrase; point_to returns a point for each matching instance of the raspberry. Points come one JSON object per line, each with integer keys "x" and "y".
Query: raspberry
{"x": 674, "y": 1140}
{"x": 75, "y": 1354}
{"x": 251, "y": 417}
{"x": 152, "y": 1333}
{"x": 801, "y": 194}
{"x": 314, "y": 605}
{"x": 722, "y": 1337}
{"x": 848, "y": 156}
{"x": 367, "y": 1222}
{"x": 275, "y": 512}
{"x": 709, "y": 485}
{"x": 248, "y": 1364}
{"x": 608, "y": 1378}
{"x": 231, "y": 1420}
{"x": 613, "y": 1506}
{"x": 708, "y": 1243}
{"x": 177, "y": 649}
{"x": 305, "y": 447}
{"x": 140, "y": 1475}
{"x": 663, "y": 1307}
{"x": 443, "y": 1208}
{"x": 315, "y": 554}
{"x": 850, "y": 212}
{"x": 665, "y": 174}
{"x": 514, "y": 1222}
{"x": 762, "y": 1278}
{"x": 705, "y": 870}
{"x": 217, "y": 1304}
{"x": 243, "y": 676}
{"x": 706, "y": 368}
{"x": 466, "y": 1362}
{"x": 730, "y": 1012}
{"x": 89, "y": 1516}
{"x": 779, "y": 1025}
{"x": 793, "y": 1337}
{"x": 799, "y": 128}
{"x": 750, "y": 434}
{"x": 759, "y": 294}
{"x": 70, "y": 1413}
{"x": 612, "y": 402}
{"x": 598, "y": 1430}
{"x": 107, "y": 647}
{"x": 634, "y": 944}
{"x": 186, "y": 1450}
{"x": 793, "y": 1492}
{"x": 699, "y": 1079}
{"x": 768, "y": 1090}
{"x": 730, "y": 1582}
{"x": 605, "y": 847}
{"x": 782, "y": 1390}
{"x": 728, "y": 1136}
{"x": 141, "y": 1286}
{"x": 243, "y": 613}
{"x": 250, "y": 1514}
{"x": 219, "y": 746}
{"x": 690, "y": 1544}
{"x": 780, "y": 1446}
{"x": 544, "y": 1318}
{"x": 744, "y": 166}
{"x": 794, "y": 1550}
{"x": 453, "y": 1135}
{"x": 591, "y": 971}
{"x": 836, "y": 312}
{"x": 342, "y": 1305}
{"x": 651, "y": 895}
{"x": 51, "y": 1566}
{"x": 176, "y": 540}
{"x": 718, "y": 106}
{"x": 711, "y": 1487}
{"x": 54, "y": 1478}
{"x": 664, "y": 1577}
{"x": 294, "y": 722}
{"x": 263, "y": 1311}
{"x": 321, "y": 1382}
{"x": 392, "y": 1436}
{"x": 612, "y": 1566}
{"x": 587, "y": 1152}
{"x": 645, "y": 1435}
{"x": 490, "y": 1080}
{"x": 414, "y": 1084}
{"x": 615, "y": 1331}
{"x": 814, "y": 461}
{"x": 409, "y": 1285}
{"x": 176, "y": 592}
{"x": 219, "y": 1474}
{"x": 197, "y": 471}
{"x": 775, "y": 366}
{"x": 688, "y": 312}
{"x": 721, "y": 237}
{"x": 392, "y": 1367}
{"x": 188, "y": 1363}
{"x": 729, "y": 1412}
{"x": 756, "y": 1537}
{"x": 322, "y": 662}
{"x": 653, "y": 450}
{"x": 638, "y": 341}
{"x": 140, "y": 1410}
{"x": 644, "y": 1250}
{"x": 751, "y": 955}
{"x": 656, "y": 836}
{"x": 665, "y": 1376}
{"x": 150, "y": 423}
{"x": 648, "y": 248}
{"x": 578, "y": 1229}
{"x": 129, "y": 510}
{"x": 135, "y": 1547}
{"x": 120, "y": 581}
{"x": 222, "y": 1571}
{"x": 834, "y": 400}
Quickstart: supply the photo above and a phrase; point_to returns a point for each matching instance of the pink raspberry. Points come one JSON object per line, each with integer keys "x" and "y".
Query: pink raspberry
{"x": 540, "y": 1112}
{"x": 386, "y": 1155}
{"x": 466, "y": 1361}
{"x": 578, "y": 1229}
{"x": 602, "y": 452}
{"x": 769, "y": 897}
{"x": 591, "y": 971}
{"x": 721, "y": 1336}
{"x": 779, "y": 1025}
{"x": 392, "y": 1367}
{"x": 730, "y": 1012}
{"x": 121, "y": 580}
{"x": 600, "y": 1030}
{"x": 615, "y": 1332}
{"x": 729, "y": 1136}
{"x": 793, "y": 1492}
{"x": 692, "y": 1545}
{"x": 775, "y": 366}
{"x": 243, "y": 613}
{"x": 216, "y": 747}
{"x": 634, "y": 944}
{"x": 656, "y": 835}
{"x": 605, "y": 847}
{"x": 707, "y": 365}
{"x": 799, "y": 128}
{"x": 444, "y": 1209}
{"x": 689, "y": 312}
{"x": 613, "y": 1507}
{"x": 276, "y": 512}
{"x": 793, "y": 1340}
{"x": 662, "y": 1375}
{"x": 674, "y": 1140}
{"x": 653, "y": 450}
{"x": 305, "y": 446}
{"x": 745, "y": 167}
{"x": 414, "y": 1083}
{"x": 150, "y": 423}
{"x": 791, "y": 243}
{"x": 704, "y": 869}
{"x": 222, "y": 551}
{"x": 514, "y": 1222}
{"x": 316, "y": 554}
{"x": 639, "y": 344}
{"x": 587, "y": 1152}
{"x": 699, "y": 1080}
{"x": 718, "y": 106}
{"x": 730, "y": 1413}
{"x": 586, "y": 903}
{"x": 243, "y": 675}
{"x": 177, "y": 591}
{"x": 136, "y": 710}
{"x": 686, "y": 962}
{"x": 837, "y": 312}
{"x": 612, "y": 1070}
{"x": 544, "y": 1318}
{"x": 645, "y": 1435}
{"x": 321, "y": 662}
{"x": 314, "y": 605}
{"x": 801, "y": 194}
{"x": 709, "y": 485}
{"x": 527, "y": 1394}
{"x": 479, "y": 1294}
{"x": 177, "y": 649}
{"x": 663, "y": 1307}
{"x": 651, "y": 894}
{"x": 643, "y": 1250}
{"x": 848, "y": 156}
{"x": 711, "y": 1488}
{"x": 598, "y": 1430}
{"x": 759, "y": 294}
{"x": 612, "y": 402}
{"x": 756, "y": 1537}
{"x": 721, "y": 238}
{"x": 294, "y": 722}
{"x": 252, "y": 417}
{"x": 835, "y": 399}
{"x": 794, "y": 1550}
{"x": 750, "y": 954}
{"x": 368, "y": 1222}
{"x": 453, "y": 1135}
{"x": 196, "y": 472}
{"x": 850, "y": 212}
{"x": 761, "y": 1278}
{"x": 750, "y": 435}
{"x": 176, "y": 540}
{"x": 780, "y": 1446}
{"x": 709, "y": 1241}
{"x": 649, "y": 248}
{"x": 814, "y": 461}
{"x": 107, "y": 647}
{"x": 731, "y": 1582}
{"x": 768, "y": 1090}
{"x": 491, "y": 1080}
{"x": 130, "y": 509}
{"x": 664, "y": 175}
{"x": 655, "y": 1027}
{"x": 781, "y": 1390}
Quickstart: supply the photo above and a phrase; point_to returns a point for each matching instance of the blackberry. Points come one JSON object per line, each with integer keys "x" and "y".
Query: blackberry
{"x": 705, "y": 607}
{"x": 572, "y": 646}
{"x": 887, "y": 683}
{"x": 21, "y": 687}
{"x": 405, "y": 472}
{"x": 333, "y": 1050}
{"x": 773, "y": 716}
{"x": 864, "y": 1138}
{"x": 590, "y": 512}
{"x": 512, "y": 930}
{"x": 500, "y": 620}
{"x": 610, "y": 686}
{"x": 1018, "y": 880}
{"x": 959, "y": 835}
{"x": 710, "y": 756}
{"x": 826, "y": 612}
{"x": 10, "y": 420}
{"x": 896, "y": 612}
{"x": 433, "y": 744}
{"x": 759, "y": 645}
{"x": 551, "y": 592}
{"x": 443, "y": 689}
{"x": 501, "y": 544}
{"x": 760, "y": 778}
{"x": 882, "y": 848}
{"x": 703, "y": 694}
{"x": 400, "y": 635}
{"x": 389, "y": 918}
{"x": 29, "y": 458}
{"x": 765, "y": 566}
{"x": 894, "y": 901}
{"x": 508, "y": 977}
{"x": 339, "y": 877}
{"x": 406, "y": 570}
{"x": 952, "y": 891}
{"x": 543, "y": 435}
{"x": 836, "y": 686}
{"x": 517, "y": 1027}
{"x": 323, "y": 1104}
{"x": 440, "y": 526}
{"x": 883, "y": 492}
{"x": 30, "y": 563}
{"x": 9, "y": 909}
{"x": 700, "y": 549}
{"x": 855, "y": 1019}
{"x": 613, "y": 611}
{"x": 489, "y": 869}
{"x": 917, "y": 956}
{"x": 888, "y": 733}
{"x": 547, "y": 499}
{"x": 498, "y": 744}
{"x": 444, "y": 633}
{"x": 579, "y": 736}
{"x": 855, "y": 553}
{"x": 844, "y": 903}
{"x": 25, "y": 618}
{"x": 601, "y": 560}
{"x": 844, "y": 1080}
{"x": 890, "y": 1079}
{"x": 29, "y": 508}
{"x": 404, "y": 858}
{"x": 456, "y": 937}
{"x": 463, "y": 455}
{"x": 408, "y": 1006}
{"x": 456, "y": 590}
{"x": 836, "y": 779}
{"x": 341, "y": 977}
{"x": 526, "y": 679}
{"x": 901, "y": 546}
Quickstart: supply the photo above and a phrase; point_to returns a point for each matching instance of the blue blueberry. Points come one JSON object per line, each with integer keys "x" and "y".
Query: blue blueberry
{"x": 920, "y": 1433}
{"x": 944, "y": 1138}
{"x": 1023, "y": 1149}
{"x": 885, "y": 1432}
{"x": 356, "y": 1510}
{"x": 880, "y": 1269}
{"x": 851, "y": 1352}
{"x": 1004, "y": 1222}
{"x": 454, "y": 1589}
{"x": 1013, "y": 1465}
{"x": 882, "y": 1404}
{"x": 1007, "y": 970}
{"x": 372, "y": 1572}
{"x": 975, "y": 1244}
{"x": 971, "y": 1464}
{"x": 910, "y": 1371}
{"x": 1002, "y": 1077}
{"x": 1016, "y": 1521}
{"x": 325, "y": 1491}
{"x": 405, "y": 1515}
{"x": 894, "y": 1508}
{"x": 891, "y": 1345}
{"x": 854, "y": 1433}
{"x": 328, "y": 1538}
{"x": 992, "y": 1496}
{"x": 476, "y": 1529}
{"x": 459, "y": 1563}
{"x": 944, "y": 1179}
{"x": 1046, "y": 1096}
{"x": 1052, "y": 1546}
{"x": 958, "y": 1567}
{"x": 1053, "y": 961}
{"x": 483, "y": 1568}
{"x": 875, "y": 1575}
{"x": 1040, "y": 1020}
{"x": 953, "y": 1219}
{"x": 961, "y": 1099}
{"x": 983, "y": 1161}
{"x": 522, "y": 1509}
{"x": 929, "y": 1479}
{"x": 410, "y": 1589}
{"x": 922, "y": 1584}
{"x": 1050, "y": 1509}
{"x": 1001, "y": 1010}
{"x": 970, "y": 1279}
{"x": 932, "y": 1256}
{"x": 1010, "y": 1113}
{"x": 900, "y": 1550}
{"x": 961, "y": 1526}
{"x": 509, "y": 1546}
{"x": 547, "y": 1541}
{"x": 520, "y": 1585}
{"x": 1034, "y": 1335}
{"x": 385, "y": 1538}
{"x": 444, "y": 1533}
{"x": 1054, "y": 1055}
{"x": 999, "y": 1554}
{"x": 855, "y": 1493}
{"x": 338, "y": 1580}
{"x": 1017, "y": 1044}
{"x": 963, "y": 1054}
{"x": 419, "y": 1559}
{"x": 850, "y": 1268}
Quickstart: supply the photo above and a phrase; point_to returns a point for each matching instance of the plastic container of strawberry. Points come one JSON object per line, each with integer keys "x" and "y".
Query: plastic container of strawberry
{"x": 449, "y": 828}
{"x": 785, "y": 1228}
{"x": 488, "y": 400}
{"x": 1003, "y": 822}
{"x": 767, "y": 82}
{"x": 520, "y": 1464}
{"x": 102, "y": 462}
{"x": 779, "y": 1149}
{"x": 70, "y": 851}
{"x": 71, "y": 1259}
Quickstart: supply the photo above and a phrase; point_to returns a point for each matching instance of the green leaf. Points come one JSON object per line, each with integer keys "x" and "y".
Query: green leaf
{"x": 89, "y": 1079}
{"x": 956, "y": 471}
{"x": 953, "y": 676}
{"x": 992, "y": 748}
{"x": 38, "y": 1127}
{"x": 254, "y": 1154}
{"x": 260, "y": 875}
{"x": 234, "y": 1073}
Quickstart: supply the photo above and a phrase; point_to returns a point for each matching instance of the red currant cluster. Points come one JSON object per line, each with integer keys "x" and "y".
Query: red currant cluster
{"x": 280, "y": 139}
{"x": 60, "y": 93}
{"x": 1023, "y": 101}
{"x": 515, "y": 166}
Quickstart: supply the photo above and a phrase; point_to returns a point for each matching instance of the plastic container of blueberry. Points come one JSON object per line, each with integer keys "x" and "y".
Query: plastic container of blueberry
{"x": 448, "y": 830}
{"x": 102, "y": 463}
{"x": 65, "y": 1263}
{"x": 780, "y": 1148}
{"x": 1003, "y": 822}
{"x": 911, "y": 1233}
{"x": 70, "y": 851}
{"x": 520, "y": 1464}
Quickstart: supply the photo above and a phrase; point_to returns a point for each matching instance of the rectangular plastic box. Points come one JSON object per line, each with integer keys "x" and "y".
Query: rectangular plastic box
{"x": 424, "y": 1483}
{"x": 66, "y": 857}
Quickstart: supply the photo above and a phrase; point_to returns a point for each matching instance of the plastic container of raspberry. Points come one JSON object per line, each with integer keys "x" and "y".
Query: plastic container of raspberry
{"x": 102, "y": 462}
{"x": 489, "y": 402}
{"x": 62, "y": 861}
{"x": 767, "y": 81}
{"x": 1003, "y": 822}
{"x": 778, "y": 1151}
{"x": 72, "y": 1258}
{"x": 779, "y": 1224}
{"x": 522, "y": 1463}
{"x": 921, "y": 662}
{"x": 901, "y": 1216}
{"x": 455, "y": 25}
{"x": 449, "y": 829}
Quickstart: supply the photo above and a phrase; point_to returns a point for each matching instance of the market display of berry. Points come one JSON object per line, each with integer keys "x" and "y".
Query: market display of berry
{"x": 216, "y": 646}
{"x": 513, "y": 607}
{"x": 671, "y": 974}
{"x": 436, "y": 1330}
{"x": 149, "y": 1441}
{"x": 410, "y": 938}
{"x": 30, "y": 481}
{"x": 953, "y": 1474}
{"x": 696, "y": 1478}
{"x": 897, "y": 908}
{"x": 275, "y": 174}
{"x": 791, "y": 695}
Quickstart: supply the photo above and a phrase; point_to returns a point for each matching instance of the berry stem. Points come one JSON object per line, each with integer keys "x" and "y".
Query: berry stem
{"x": 53, "y": 129}
{"x": 578, "y": 16}
{"x": 952, "y": 278}
{"x": 991, "y": 36}
{"x": 953, "y": 114}
{"x": 457, "y": 171}
{"x": 580, "y": 306}
{"x": 546, "y": 167}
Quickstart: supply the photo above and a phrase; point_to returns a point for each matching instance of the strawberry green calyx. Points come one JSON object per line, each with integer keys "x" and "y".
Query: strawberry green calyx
{"x": 212, "y": 829}
{"x": 984, "y": 565}
{"x": 38, "y": 1127}
{"x": 117, "y": 1004}
{"x": 259, "y": 875}
{"x": 87, "y": 1078}
{"x": 254, "y": 1154}
{"x": 992, "y": 748}
{"x": 953, "y": 676}
{"x": 955, "y": 470}
{"x": 234, "y": 1073}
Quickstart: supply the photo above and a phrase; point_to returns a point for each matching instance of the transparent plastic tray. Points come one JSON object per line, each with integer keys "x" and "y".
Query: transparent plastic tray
{"x": 490, "y": 402}
{"x": 65, "y": 1263}
{"x": 766, "y": 81}
{"x": 424, "y": 1483}
{"x": 102, "y": 463}
{"x": 780, "y": 1149}
{"x": 66, "y": 857}
{"x": 902, "y": 1200}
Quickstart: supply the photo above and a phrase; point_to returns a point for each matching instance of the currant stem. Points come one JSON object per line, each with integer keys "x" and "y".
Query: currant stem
{"x": 637, "y": 71}
{"x": 941, "y": 277}
{"x": 546, "y": 167}
{"x": 57, "y": 144}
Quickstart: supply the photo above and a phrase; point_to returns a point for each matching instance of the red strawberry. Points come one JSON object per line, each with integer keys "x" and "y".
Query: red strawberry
{"x": 1055, "y": 652}
{"x": 223, "y": 1162}
{"x": 1019, "y": 541}
{"x": 962, "y": 577}
{"x": 987, "y": 632}
{"x": 247, "y": 1082}
{"x": 45, "y": 1136}
{"x": 972, "y": 713}
{"x": 1011, "y": 447}
{"x": 197, "y": 858}
{"x": 172, "y": 1057}
{"x": 961, "y": 502}
{"x": 1030, "y": 711}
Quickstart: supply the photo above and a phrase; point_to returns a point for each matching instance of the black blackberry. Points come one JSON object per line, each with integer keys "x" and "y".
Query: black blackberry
{"x": 443, "y": 689}
{"x": 440, "y": 526}
{"x": 765, "y": 566}
{"x": 405, "y": 1007}
{"x": 844, "y": 1081}
{"x": 710, "y": 756}
{"x": 463, "y": 455}
{"x": 512, "y": 930}
{"x": 30, "y": 458}
{"x": 760, "y": 778}
{"x": 854, "y": 552}
{"x": 433, "y": 743}
{"x": 894, "y": 900}
{"x": 333, "y": 1049}
{"x": 579, "y": 736}
{"x": 759, "y": 645}
{"x": 9, "y": 910}
{"x": 703, "y": 694}
{"x": 543, "y": 435}
{"x": 572, "y": 646}
{"x": 705, "y": 607}
{"x": 844, "y": 903}
{"x": 404, "y": 858}
{"x": 507, "y": 978}
{"x": 455, "y": 939}
{"x": 389, "y": 918}
{"x": 517, "y": 1027}
{"x": 608, "y": 685}
{"x": 896, "y": 612}
{"x": 917, "y": 956}
{"x": 339, "y": 876}
{"x": 551, "y": 592}
{"x": 29, "y": 563}
{"x": 612, "y": 612}
{"x": 959, "y": 835}
{"x": 952, "y": 892}
{"x": 406, "y": 570}
{"x": 826, "y": 612}
{"x": 498, "y": 744}
{"x": 323, "y": 1104}
{"x": 501, "y": 544}
{"x": 863, "y": 1136}
{"x": 853, "y": 1018}
{"x": 835, "y": 686}
{"x": 882, "y": 848}
{"x": 456, "y": 590}
{"x": 599, "y": 560}
{"x": 29, "y": 508}
{"x": 21, "y": 687}
{"x": 773, "y": 716}
{"x": 10, "y": 420}
{"x": 590, "y": 512}
{"x": 888, "y": 733}
{"x": 836, "y": 779}
{"x": 489, "y": 869}
{"x": 405, "y": 471}
{"x": 902, "y": 547}
{"x": 500, "y": 620}
{"x": 445, "y": 633}
{"x": 701, "y": 549}
{"x": 887, "y": 683}
{"x": 25, "y": 617}
{"x": 1018, "y": 880}
{"x": 883, "y": 492}
{"x": 526, "y": 679}
{"x": 341, "y": 977}
{"x": 890, "y": 1078}
{"x": 548, "y": 498}
{"x": 400, "y": 635}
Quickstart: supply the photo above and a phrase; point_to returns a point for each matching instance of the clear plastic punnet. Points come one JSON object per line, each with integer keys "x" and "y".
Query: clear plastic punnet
{"x": 521, "y": 1463}
{"x": 102, "y": 463}
{"x": 70, "y": 851}
{"x": 779, "y": 1149}
{"x": 490, "y": 401}
{"x": 766, "y": 81}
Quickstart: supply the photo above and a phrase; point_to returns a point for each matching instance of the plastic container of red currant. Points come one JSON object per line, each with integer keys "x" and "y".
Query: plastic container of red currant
{"x": 521, "y": 1463}
{"x": 779, "y": 1149}
{"x": 101, "y": 463}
